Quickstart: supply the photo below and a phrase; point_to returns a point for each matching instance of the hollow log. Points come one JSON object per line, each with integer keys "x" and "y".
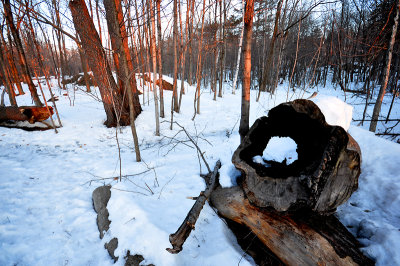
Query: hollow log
{"x": 325, "y": 173}
{"x": 306, "y": 239}
{"x": 31, "y": 114}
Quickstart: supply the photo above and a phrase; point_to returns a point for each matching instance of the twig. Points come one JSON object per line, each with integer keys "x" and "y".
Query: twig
{"x": 159, "y": 195}
{"x": 195, "y": 144}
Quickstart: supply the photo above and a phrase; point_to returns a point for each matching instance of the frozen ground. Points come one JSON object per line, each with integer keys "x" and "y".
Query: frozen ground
{"x": 46, "y": 181}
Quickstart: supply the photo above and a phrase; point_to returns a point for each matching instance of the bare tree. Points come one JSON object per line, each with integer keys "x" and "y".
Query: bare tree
{"x": 248, "y": 30}
{"x": 97, "y": 60}
{"x": 382, "y": 90}
{"x": 21, "y": 54}
{"x": 154, "y": 58}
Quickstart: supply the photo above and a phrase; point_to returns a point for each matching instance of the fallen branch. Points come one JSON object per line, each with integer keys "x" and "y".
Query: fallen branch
{"x": 179, "y": 237}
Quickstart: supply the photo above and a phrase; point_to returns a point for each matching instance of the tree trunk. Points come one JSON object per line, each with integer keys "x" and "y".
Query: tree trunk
{"x": 268, "y": 65}
{"x": 160, "y": 79}
{"x": 154, "y": 58}
{"x": 325, "y": 173}
{"x": 222, "y": 44}
{"x": 248, "y": 30}
{"x": 132, "y": 77}
{"x": 7, "y": 83}
{"x": 22, "y": 58}
{"x": 199, "y": 64}
{"x": 99, "y": 64}
{"x": 175, "y": 49}
{"x": 238, "y": 54}
{"x": 114, "y": 28}
{"x": 302, "y": 239}
{"x": 382, "y": 90}
{"x": 13, "y": 69}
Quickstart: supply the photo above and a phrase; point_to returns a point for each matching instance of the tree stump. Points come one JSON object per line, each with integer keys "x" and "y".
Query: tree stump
{"x": 325, "y": 174}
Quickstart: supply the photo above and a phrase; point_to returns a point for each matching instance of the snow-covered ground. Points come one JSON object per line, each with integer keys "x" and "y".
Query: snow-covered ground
{"x": 46, "y": 182}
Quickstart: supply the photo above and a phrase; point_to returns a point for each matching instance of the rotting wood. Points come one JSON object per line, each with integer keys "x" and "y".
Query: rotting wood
{"x": 31, "y": 114}
{"x": 179, "y": 237}
{"x": 165, "y": 84}
{"x": 297, "y": 239}
{"x": 325, "y": 173}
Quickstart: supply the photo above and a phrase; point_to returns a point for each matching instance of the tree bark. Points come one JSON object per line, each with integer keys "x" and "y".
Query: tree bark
{"x": 7, "y": 83}
{"x": 22, "y": 58}
{"x": 160, "y": 79}
{"x": 132, "y": 79}
{"x": 97, "y": 60}
{"x": 175, "y": 49}
{"x": 248, "y": 30}
{"x": 114, "y": 28}
{"x": 31, "y": 114}
{"x": 268, "y": 65}
{"x": 154, "y": 58}
{"x": 238, "y": 54}
{"x": 302, "y": 239}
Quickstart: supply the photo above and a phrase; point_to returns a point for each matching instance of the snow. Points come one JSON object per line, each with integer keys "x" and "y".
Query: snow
{"x": 279, "y": 149}
{"x": 336, "y": 111}
{"x": 46, "y": 181}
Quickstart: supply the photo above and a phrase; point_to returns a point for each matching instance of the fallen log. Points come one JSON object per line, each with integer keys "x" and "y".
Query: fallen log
{"x": 165, "y": 84}
{"x": 296, "y": 239}
{"x": 325, "y": 173}
{"x": 31, "y": 114}
{"x": 179, "y": 237}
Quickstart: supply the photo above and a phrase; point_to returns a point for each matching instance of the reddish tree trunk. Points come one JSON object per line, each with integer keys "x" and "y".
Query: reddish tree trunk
{"x": 21, "y": 54}
{"x": 248, "y": 30}
{"x": 97, "y": 61}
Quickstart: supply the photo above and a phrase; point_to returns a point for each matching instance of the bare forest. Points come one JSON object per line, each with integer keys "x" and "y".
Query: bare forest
{"x": 272, "y": 126}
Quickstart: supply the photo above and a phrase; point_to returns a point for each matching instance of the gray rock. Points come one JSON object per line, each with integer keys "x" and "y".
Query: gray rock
{"x": 134, "y": 260}
{"x": 102, "y": 221}
{"x": 101, "y": 196}
{"x": 111, "y": 247}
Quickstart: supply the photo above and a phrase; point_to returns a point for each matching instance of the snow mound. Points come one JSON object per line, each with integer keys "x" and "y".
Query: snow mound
{"x": 336, "y": 112}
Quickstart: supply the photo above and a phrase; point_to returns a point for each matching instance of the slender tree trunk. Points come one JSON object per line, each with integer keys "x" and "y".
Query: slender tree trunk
{"x": 190, "y": 34}
{"x": 22, "y": 58}
{"x": 13, "y": 69}
{"x": 199, "y": 65}
{"x": 222, "y": 44}
{"x": 98, "y": 19}
{"x": 132, "y": 77}
{"x": 6, "y": 80}
{"x": 162, "y": 115}
{"x": 84, "y": 68}
{"x": 184, "y": 52}
{"x": 175, "y": 49}
{"x": 382, "y": 90}
{"x": 248, "y": 30}
{"x": 238, "y": 54}
{"x": 268, "y": 65}
{"x": 154, "y": 58}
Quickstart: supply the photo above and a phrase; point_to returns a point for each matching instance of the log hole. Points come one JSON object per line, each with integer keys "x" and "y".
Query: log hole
{"x": 310, "y": 135}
